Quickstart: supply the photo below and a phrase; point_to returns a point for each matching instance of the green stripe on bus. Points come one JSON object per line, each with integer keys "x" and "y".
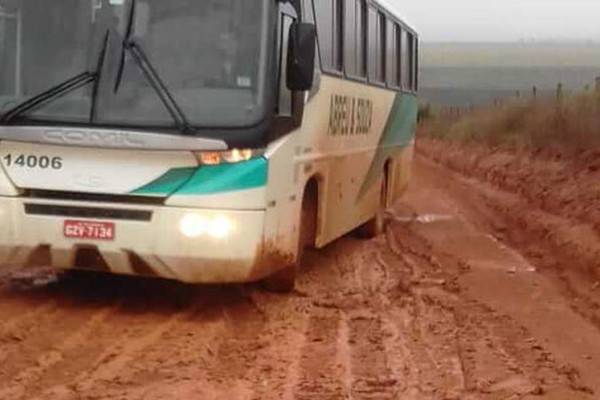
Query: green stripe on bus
{"x": 226, "y": 178}
{"x": 398, "y": 132}
{"x": 167, "y": 183}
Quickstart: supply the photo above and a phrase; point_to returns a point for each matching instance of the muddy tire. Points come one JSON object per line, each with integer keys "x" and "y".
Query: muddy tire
{"x": 373, "y": 227}
{"x": 284, "y": 280}
{"x": 376, "y": 225}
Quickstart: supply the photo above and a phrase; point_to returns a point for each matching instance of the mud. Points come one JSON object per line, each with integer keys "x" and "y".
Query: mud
{"x": 451, "y": 303}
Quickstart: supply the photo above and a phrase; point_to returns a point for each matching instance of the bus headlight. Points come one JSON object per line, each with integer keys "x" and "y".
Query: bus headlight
{"x": 195, "y": 225}
{"x": 219, "y": 227}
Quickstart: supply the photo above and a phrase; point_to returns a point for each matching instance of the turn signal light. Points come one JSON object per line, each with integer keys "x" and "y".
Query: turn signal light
{"x": 227, "y": 157}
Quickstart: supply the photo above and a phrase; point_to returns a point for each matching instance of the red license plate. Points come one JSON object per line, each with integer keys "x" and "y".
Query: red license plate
{"x": 89, "y": 230}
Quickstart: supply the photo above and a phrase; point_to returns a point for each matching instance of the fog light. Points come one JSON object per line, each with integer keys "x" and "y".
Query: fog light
{"x": 219, "y": 228}
{"x": 193, "y": 225}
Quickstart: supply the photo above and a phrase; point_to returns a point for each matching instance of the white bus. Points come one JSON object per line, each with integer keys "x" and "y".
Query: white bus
{"x": 203, "y": 141}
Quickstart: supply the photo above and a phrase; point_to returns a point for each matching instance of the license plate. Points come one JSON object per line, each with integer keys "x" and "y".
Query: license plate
{"x": 89, "y": 230}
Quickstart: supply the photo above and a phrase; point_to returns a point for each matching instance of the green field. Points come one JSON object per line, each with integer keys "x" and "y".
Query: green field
{"x": 455, "y": 74}
{"x": 510, "y": 54}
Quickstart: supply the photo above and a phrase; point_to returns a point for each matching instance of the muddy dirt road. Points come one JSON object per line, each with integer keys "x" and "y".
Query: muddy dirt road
{"x": 444, "y": 306}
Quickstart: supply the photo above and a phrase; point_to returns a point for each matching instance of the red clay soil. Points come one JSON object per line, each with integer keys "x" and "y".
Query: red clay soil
{"x": 465, "y": 297}
{"x": 563, "y": 184}
{"x": 549, "y": 208}
{"x": 557, "y": 197}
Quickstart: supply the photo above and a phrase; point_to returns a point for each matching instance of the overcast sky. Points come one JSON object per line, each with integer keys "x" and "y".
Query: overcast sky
{"x": 502, "y": 20}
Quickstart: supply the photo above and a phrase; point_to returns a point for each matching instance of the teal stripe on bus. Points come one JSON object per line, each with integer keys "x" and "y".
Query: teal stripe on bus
{"x": 167, "y": 183}
{"x": 214, "y": 179}
{"x": 208, "y": 179}
{"x": 399, "y": 131}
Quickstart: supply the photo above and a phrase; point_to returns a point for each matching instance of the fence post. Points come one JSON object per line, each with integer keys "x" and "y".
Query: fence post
{"x": 559, "y": 92}
{"x": 535, "y": 92}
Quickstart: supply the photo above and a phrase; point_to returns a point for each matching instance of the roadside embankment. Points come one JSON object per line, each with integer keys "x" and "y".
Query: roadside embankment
{"x": 551, "y": 211}
{"x": 565, "y": 186}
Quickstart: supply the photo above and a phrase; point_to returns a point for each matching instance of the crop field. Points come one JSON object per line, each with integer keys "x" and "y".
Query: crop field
{"x": 477, "y": 74}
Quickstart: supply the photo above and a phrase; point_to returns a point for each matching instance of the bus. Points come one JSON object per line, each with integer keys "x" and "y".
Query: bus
{"x": 201, "y": 141}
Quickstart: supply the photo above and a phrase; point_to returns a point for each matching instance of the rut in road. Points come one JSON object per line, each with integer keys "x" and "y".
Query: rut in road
{"x": 380, "y": 319}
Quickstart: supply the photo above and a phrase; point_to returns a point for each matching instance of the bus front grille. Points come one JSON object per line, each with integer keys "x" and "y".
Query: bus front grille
{"x": 93, "y": 197}
{"x": 87, "y": 212}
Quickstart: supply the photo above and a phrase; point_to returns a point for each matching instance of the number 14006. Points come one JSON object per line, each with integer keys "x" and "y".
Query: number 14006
{"x": 33, "y": 161}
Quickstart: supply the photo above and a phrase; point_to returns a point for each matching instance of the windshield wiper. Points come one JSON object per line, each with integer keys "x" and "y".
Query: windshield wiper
{"x": 98, "y": 78}
{"x": 142, "y": 61}
{"x": 62, "y": 89}
{"x": 54, "y": 92}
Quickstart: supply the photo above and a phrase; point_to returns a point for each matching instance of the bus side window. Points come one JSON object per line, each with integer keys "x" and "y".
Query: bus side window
{"x": 349, "y": 25}
{"x": 381, "y": 47}
{"x": 392, "y": 55}
{"x": 416, "y": 64}
{"x": 330, "y": 25}
{"x": 398, "y": 41}
{"x": 361, "y": 38}
{"x": 411, "y": 61}
{"x": 406, "y": 60}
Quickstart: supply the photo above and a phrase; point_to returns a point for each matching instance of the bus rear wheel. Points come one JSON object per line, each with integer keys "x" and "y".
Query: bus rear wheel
{"x": 376, "y": 225}
{"x": 284, "y": 280}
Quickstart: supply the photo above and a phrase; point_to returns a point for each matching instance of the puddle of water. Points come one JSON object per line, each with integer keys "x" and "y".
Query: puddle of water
{"x": 423, "y": 219}
{"x": 524, "y": 265}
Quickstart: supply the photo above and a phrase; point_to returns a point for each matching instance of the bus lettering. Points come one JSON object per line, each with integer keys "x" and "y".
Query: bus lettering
{"x": 349, "y": 115}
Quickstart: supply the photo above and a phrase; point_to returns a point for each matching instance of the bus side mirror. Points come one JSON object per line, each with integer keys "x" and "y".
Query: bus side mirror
{"x": 301, "y": 56}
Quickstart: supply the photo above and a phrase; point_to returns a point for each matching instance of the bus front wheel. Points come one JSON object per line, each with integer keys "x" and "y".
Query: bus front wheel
{"x": 284, "y": 280}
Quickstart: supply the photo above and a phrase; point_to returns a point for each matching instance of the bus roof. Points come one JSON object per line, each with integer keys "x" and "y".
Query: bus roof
{"x": 385, "y": 5}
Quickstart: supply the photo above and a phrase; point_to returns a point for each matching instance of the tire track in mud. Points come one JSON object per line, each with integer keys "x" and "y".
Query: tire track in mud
{"x": 45, "y": 328}
{"x": 13, "y": 329}
{"x": 373, "y": 376}
{"x": 488, "y": 355}
{"x": 438, "y": 340}
{"x": 110, "y": 363}
{"x": 26, "y": 377}
{"x": 324, "y": 369}
{"x": 425, "y": 350}
{"x": 105, "y": 360}
{"x": 227, "y": 347}
{"x": 320, "y": 371}
{"x": 91, "y": 317}
{"x": 174, "y": 355}
{"x": 345, "y": 355}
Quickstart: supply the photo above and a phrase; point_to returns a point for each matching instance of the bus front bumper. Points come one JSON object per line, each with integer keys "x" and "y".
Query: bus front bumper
{"x": 190, "y": 245}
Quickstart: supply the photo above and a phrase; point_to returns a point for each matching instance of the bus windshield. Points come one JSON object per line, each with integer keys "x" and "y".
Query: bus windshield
{"x": 210, "y": 54}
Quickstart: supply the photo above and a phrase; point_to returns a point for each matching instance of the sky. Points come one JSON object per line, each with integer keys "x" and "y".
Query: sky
{"x": 502, "y": 20}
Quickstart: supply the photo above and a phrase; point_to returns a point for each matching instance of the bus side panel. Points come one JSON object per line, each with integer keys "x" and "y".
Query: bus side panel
{"x": 284, "y": 201}
{"x": 350, "y": 130}
{"x": 400, "y": 174}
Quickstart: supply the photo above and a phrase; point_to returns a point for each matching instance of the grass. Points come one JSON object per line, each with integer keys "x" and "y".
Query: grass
{"x": 571, "y": 124}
